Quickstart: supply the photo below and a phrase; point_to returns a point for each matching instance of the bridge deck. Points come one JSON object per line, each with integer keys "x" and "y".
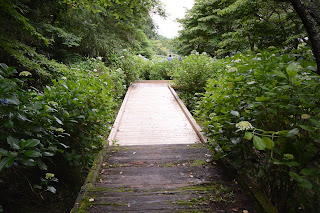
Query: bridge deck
{"x": 152, "y": 116}
{"x": 160, "y": 166}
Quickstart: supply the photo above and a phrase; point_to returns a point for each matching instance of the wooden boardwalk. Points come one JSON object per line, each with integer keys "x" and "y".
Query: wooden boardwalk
{"x": 153, "y": 116}
{"x": 156, "y": 163}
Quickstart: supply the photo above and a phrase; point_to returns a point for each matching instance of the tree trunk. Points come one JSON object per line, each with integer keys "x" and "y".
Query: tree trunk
{"x": 251, "y": 43}
{"x": 310, "y": 16}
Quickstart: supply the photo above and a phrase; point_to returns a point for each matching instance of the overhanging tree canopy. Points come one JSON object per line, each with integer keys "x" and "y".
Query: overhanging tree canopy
{"x": 220, "y": 27}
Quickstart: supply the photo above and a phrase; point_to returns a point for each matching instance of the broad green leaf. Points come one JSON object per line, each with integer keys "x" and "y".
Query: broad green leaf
{"x": 29, "y": 143}
{"x": 235, "y": 140}
{"x": 292, "y": 70}
{"x": 248, "y": 135}
{"x": 295, "y": 176}
{"x": 283, "y": 132}
{"x": 81, "y": 116}
{"x": 13, "y": 100}
{"x": 306, "y": 184}
{"x": 275, "y": 162}
{"x": 292, "y": 132}
{"x": 37, "y": 187}
{"x": 268, "y": 142}
{"x": 296, "y": 82}
{"x": 235, "y": 113}
{"x": 315, "y": 122}
{"x": 23, "y": 118}
{"x": 13, "y": 142}
{"x": 302, "y": 181}
{"x": 280, "y": 74}
{"x": 58, "y": 120}
{"x": 258, "y": 143}
{"x": 41, "y": 165}
{"x": 307, "y": 171}
{"x": 312, "y": 68}
{"x": 292, "y": 164}
{"x": 48, "y": 154}
{"x": 6, "y": 162}
{"x": 262, "y": 98}
{"x": 285, "y": 97}
{"x": 308, "y": 128}
{"x": 51, "y": 189}
{"x": 32, "y": 153}
{"x": 28, "y": 161}
{"x": 3, "y": 152}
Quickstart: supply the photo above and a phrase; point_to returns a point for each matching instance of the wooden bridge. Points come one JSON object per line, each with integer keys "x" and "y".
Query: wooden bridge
{"x": 156, "y": 161}
{"x": 153, "y": 114}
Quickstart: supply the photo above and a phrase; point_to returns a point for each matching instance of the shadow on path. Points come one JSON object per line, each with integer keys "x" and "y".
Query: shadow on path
{"x": 164, "y": 178}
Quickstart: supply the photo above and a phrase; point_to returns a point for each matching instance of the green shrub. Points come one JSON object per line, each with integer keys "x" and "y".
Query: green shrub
{"x": 54, "y": 134}
{"x": 161, "y": 68}
{"x": 30, "y": 128}
{"x": 85, "y": 111}
{"x": 279, "y": 96}
{"x": 194, "y": 72}
{"x": 132, "y": 65}
{"x": 97, "y": 67}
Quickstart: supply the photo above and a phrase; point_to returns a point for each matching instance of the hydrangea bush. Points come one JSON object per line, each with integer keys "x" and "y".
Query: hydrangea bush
{"x": 51, "y": 135}
{"x": 262, "y": 112}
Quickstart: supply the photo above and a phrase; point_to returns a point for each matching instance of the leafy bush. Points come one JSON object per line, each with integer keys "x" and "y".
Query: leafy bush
{"x": 132, "y": 65}
{"x": 30, "y": 59}
{"x": 191, "y": 75}
{"x": 194, "y": 73}
{"x": 273, "y": 101}
{"x": 23, "y": 141}
{"x": 54, "y": 134}
{"x": 161, "y": 68}
{"x": 97, "y": 67}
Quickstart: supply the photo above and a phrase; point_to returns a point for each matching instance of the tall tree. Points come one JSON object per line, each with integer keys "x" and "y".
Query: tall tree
{"x": 309, "y": 12}
{"x": 220, "y": 27}
{"x": 32, "y": 33}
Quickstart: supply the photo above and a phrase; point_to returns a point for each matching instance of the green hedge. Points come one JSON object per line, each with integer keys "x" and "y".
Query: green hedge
{"x": 262, "y": 111}
{"x": 51, "y": 135}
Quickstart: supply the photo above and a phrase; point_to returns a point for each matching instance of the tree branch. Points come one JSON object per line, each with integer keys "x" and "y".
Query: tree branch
{"x": 311, "y": 27}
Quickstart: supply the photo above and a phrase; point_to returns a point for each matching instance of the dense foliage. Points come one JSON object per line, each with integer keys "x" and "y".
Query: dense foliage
{"x": 65, "y": 66}
{"x": 194, "y": 72}
{"x": 36, "y": 34}
{"x": 70, "y": 62}
{"x": 261, "y": 111}
{"x": 220, "y": 27}
{"x": 55, "y": 131}
{"x": 261, "y": 107}
{"x": 274, "y": 99}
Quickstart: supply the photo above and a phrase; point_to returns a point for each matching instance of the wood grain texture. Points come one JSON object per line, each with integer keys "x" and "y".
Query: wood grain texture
{"x": 192, "y": 121}
{"x": 153, "y": 116}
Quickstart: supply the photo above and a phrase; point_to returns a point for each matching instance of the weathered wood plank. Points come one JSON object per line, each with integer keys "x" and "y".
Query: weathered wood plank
{"x": 153, "y": 116}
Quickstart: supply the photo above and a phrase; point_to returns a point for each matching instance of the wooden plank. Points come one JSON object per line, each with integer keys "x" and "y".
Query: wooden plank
{"x": 116, "y": 123}
{"x": 154, "y": 81}
{"x": 153, "y": 116}
{"x": 193, "y": 122}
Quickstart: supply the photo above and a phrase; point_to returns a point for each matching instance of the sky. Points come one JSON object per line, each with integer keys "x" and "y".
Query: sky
{"x": 169, "y": 27}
